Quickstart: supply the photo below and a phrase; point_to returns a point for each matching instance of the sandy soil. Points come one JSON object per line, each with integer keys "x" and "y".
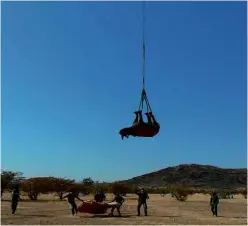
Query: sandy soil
{"x": 161, "y": 210}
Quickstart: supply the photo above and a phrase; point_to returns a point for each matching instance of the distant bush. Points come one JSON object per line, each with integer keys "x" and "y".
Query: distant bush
{"x": 61, "y": 185}
{"x": 104, "y": 186}
{"x": 164, "y": 191}
{"x": 203, "y": 191}
{"x": 181, "y": 194}
{"x": 119, "y": 187}
{"x": 225, "y": 194}
{"x": 33, "y": 187}
{"x": 244, "y": 192}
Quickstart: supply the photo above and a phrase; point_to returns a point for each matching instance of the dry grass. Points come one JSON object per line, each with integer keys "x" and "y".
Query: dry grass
{"x": 161, "y": 210}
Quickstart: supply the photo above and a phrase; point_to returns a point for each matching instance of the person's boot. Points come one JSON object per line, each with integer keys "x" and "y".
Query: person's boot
{"x": 145, "y": 210}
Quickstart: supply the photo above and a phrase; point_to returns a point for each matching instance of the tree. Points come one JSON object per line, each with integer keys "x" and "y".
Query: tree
{"x": 88, "y": 185}
{"x": 61, "y": 185}
{"x": 9, "y": 178}
{"x": 119, "y": 187}
{"x": 181, "y": 194}
{"x": 37, "y": 185}
{"x": 88, "y": 181}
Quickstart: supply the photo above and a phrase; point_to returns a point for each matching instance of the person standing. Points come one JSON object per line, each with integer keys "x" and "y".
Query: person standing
{"x": 71, "y": 201}
{"x": 142, "y": 197}
{"x": 119, "y": 199}
{"x": 214, "y": 201}
{"x": 100, "y": 196}
{"x": 15, "y": 197}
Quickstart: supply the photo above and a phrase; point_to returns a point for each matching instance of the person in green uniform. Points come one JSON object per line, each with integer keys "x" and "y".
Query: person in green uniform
{"x": 142, "y": 197}
{"x": 214, "y": 201}
{"x": 71, "y": 196}
{"x": 15, "y": 197}
{"x": 119, "y": 199}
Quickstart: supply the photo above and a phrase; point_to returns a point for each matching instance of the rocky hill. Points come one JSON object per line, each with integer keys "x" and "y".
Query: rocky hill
{"x": 193, "y": 175}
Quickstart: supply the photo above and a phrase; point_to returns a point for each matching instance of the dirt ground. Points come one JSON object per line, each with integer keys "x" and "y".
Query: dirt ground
{"x": 161, "y": 210}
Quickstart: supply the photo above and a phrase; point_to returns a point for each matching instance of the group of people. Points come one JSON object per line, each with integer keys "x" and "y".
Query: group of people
{"x": 142, "y": 200}
{"x": 100, "y": 197}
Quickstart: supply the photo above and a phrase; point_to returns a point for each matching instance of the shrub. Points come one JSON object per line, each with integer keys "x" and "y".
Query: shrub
{"x": 61, "y": 185}
{"x": 36, "y": 185}
{"x": 181, "y": 194}
{"x": 225, "y": 194}
{"x": 164, "y": 191}
{"x": 244, "y": 192}
{"x": 119, "y": 187}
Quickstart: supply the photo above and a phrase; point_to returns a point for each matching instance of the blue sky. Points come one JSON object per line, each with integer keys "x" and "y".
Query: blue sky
{"x": 71, "y": 79}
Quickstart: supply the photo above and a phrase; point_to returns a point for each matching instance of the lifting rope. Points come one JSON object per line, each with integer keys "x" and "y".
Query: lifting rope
{"x": 143, "y": 94}
{"x": 143, "y": 45}
{"x": 139, "y": 127}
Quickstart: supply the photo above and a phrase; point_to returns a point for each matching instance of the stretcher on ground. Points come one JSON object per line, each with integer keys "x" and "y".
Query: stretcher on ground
{"x": 93, "y": 207}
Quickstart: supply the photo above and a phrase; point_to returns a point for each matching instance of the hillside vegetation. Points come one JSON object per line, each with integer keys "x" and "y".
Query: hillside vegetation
{"x": 193, "y": 175}
{"x": 179, "y": 181}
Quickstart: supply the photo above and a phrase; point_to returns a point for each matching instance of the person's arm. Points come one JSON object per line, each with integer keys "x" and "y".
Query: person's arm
{"x": 104, "y": 196}
{"x": 147, "y": 196}
{"x": 211, "y": 201}
{"x": 64, "y": 197}
{"x": 79, "y": 199}
{"x": 123, "y": 200}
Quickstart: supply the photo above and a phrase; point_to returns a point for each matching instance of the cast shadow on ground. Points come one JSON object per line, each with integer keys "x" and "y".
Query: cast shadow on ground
{"x": 232, "y": 217}
{"x": 107, "y": 216}
{"x": 34, "y": 215}
{"x": 33, "y": 201}
{"x": 124, "y": 216}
